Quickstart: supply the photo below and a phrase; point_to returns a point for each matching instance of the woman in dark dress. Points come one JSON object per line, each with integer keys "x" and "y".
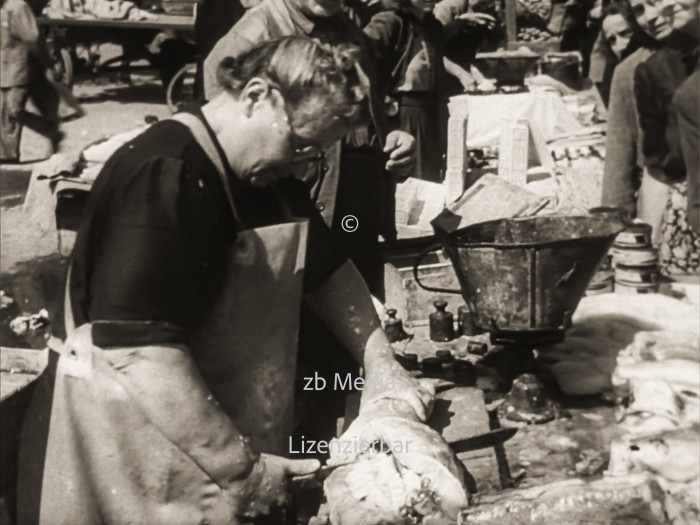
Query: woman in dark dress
{"x": 169, "y": 397}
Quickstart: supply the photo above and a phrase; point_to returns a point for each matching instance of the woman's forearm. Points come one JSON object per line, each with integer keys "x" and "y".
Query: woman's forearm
{"x": 344, "y": 303}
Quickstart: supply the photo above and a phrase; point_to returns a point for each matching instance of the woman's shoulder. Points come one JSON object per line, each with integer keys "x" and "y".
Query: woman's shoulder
{"x": 155, "y": 159}
{"x": 624, "y": 72}
{"x": 165, "y": 139}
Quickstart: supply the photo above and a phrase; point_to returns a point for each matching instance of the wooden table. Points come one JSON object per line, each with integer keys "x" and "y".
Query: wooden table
{"x": 64, "y": 35}
{"x": 160, "y": 23}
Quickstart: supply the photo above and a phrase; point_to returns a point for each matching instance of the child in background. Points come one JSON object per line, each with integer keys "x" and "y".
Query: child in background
{"x": 25, "y": 74}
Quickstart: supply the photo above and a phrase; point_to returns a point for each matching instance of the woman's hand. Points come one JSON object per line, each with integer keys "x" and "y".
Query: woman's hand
{"x": 264, "y": 492}
{"x": 401, "y": 147}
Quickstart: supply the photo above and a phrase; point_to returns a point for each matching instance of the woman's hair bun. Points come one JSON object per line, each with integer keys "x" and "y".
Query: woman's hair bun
{"x": 318, "y": 82}
{"x": 346, "y": 57}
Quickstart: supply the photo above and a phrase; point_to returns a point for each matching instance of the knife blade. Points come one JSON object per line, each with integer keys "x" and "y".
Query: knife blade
{"x": 487, "y": 440}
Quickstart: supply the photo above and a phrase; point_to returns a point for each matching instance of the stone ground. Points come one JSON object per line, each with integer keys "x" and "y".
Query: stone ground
{"x": 30, "y": 267}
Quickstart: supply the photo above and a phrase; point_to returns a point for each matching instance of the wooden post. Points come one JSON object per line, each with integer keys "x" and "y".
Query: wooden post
{"x": 511, "y": 25}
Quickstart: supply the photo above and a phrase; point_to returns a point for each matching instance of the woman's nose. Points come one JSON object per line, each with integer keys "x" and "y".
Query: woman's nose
{"x": 667, "y": 6}
{"x": 651, "y": 10}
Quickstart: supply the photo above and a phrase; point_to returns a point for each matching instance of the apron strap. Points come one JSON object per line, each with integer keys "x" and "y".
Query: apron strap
{"x": 68, "y": 318}
{"x": 201, "y": 135}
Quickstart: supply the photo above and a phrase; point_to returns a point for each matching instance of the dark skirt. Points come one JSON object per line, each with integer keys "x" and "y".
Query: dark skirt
{"x": 418, "y": 115}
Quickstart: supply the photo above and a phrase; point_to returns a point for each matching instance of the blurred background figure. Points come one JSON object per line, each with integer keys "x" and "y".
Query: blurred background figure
{"x": 409, "y": 44}
{"x": 686, "y": 113}
{"x": 25, "y": 74}
{"x": 655, "y": 83}
{"x": 469, "y": 27}
{"x": 410, "y": 59}
{"x": 213, "y": 19}
{"x": 626, "y": 183}
{"x": 614, "y": 43}
{"x": 570, "y": 19}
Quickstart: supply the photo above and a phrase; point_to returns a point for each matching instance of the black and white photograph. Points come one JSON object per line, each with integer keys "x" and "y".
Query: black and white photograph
{"x": 349, "y": 262}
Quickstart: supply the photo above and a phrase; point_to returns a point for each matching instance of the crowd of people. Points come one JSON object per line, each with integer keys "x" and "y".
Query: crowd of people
{"x": 651, "y": 163}
{"x": 215, "y": 238}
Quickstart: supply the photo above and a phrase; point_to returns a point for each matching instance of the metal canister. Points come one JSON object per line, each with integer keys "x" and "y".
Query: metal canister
{"x": 441, "y": 323}
{"x": 635, "y": 236}
{"x": 637, "y": 274}
{"x": 477, "y": 347}
{"x": 393, "y": 327}
{"x": 466, "y": 322}
{"x": 444, "y": 356}
{"x": 628, "y": 288}
{"x": 408, "y": 361}
{"x": 634, "y": 256}
{"x": 431, "y": 365}
{"x": 604, "y": 287}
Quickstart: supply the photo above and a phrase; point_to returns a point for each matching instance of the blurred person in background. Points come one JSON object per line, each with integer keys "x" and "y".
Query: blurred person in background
{"x": 686, "y": 116}
{"x": 655, "y": 83}
{"x": 626, "y": 183}
{"x": 362, "y": 11}
{"x": 614, "y": 43}
{"x": 467, "y": 25}
{"x": 410, "y": 53}
{"x": 213, "y": 19}
{"x": 570, "y": 19}
{"x": 25, "y": 75}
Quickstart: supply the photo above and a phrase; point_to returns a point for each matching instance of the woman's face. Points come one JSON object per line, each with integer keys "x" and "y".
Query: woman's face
{"x": 617, "y": 33}
{"x": 287, "y": 150}
{"x": 649, "y": 18}
{"x": 678, "y": 13}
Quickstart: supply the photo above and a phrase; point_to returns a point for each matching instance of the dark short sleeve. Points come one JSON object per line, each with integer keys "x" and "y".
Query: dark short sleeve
{"x": 144, "y": 275}
{"x": 148, "y": 254}
{"x": 326, "y": 251}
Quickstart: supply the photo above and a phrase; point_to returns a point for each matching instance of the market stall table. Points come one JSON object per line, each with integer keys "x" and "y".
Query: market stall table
{"x": 488, "y": 113}
{"x": 135, "y": 36}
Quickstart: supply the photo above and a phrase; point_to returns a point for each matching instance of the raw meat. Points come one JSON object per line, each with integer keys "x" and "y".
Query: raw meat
{"x": 611, "y": 327}
{"x": 681, "y": 374}
{"x": 672, "y": 455}
{"x": 630, "y": 500}
{"x": 663, "y": 345}
{"x": 414, "y": 477}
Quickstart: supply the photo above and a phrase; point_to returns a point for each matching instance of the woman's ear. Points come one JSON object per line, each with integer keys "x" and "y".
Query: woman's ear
{"x": 256, "y": 90}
